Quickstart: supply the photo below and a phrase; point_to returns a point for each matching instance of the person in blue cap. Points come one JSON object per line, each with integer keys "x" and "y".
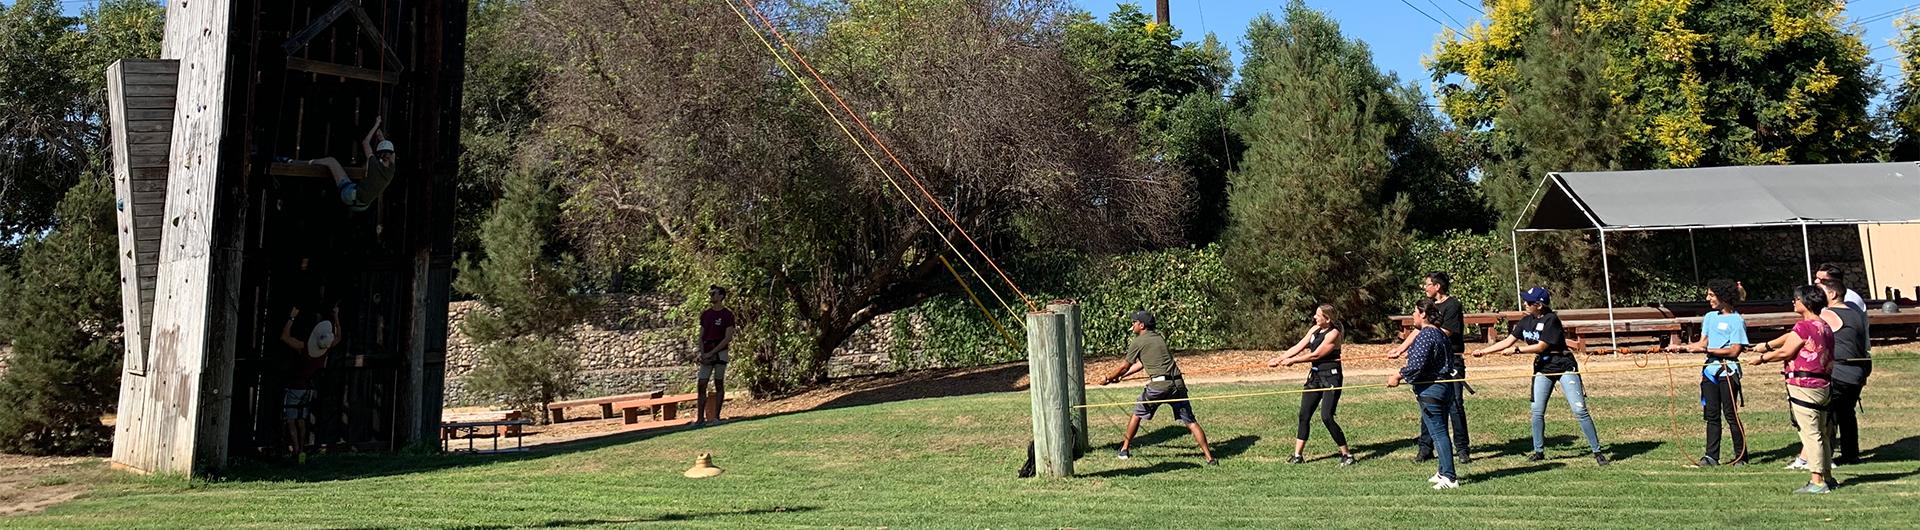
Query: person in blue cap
{"x": 1541, "y": 334}
{"x": 1147, "y": 350}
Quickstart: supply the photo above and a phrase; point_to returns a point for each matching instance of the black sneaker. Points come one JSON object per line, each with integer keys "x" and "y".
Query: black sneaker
{"x": 1346, "y": 460}
{"x": 1536, "y": 457}
{"x": 1422, "y": 456}
{"x": 1123, "y": 454}
{"x": 1600, "y": 459}
{"x": 1462, "y": 458}
{"x": 1707, "y": 461}
{"x": 1213, "y": 462}
{"x": 1296, "y": 459}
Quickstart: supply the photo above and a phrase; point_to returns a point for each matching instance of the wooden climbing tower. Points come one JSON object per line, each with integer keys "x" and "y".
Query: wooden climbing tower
{"x": 222, "y": 233}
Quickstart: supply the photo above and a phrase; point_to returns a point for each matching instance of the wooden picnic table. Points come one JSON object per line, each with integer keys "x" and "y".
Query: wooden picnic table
{"x": 469, "y": 430}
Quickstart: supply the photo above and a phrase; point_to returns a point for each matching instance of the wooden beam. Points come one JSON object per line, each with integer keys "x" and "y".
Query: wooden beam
{"x": 338, "y": 70}
{"x": 300, "y": 40}
{"x": 380, "y": 40}
{"x": 297, "y": 169}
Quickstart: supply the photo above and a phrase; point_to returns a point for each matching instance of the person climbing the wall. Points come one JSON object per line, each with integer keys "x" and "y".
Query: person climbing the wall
{"x": 359, "y": 196}
{"x": 1147, "y": 350}
{"x": 717, "y": 329}
{"x": 308, "y": 358}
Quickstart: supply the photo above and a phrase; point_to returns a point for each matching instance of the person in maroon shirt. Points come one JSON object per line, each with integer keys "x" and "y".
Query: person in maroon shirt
{"x": 717, "y": 329}
{"x": 309, "y": 357}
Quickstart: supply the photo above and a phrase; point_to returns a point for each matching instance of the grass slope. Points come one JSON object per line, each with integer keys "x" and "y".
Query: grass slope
{"x": 949, "y": 462}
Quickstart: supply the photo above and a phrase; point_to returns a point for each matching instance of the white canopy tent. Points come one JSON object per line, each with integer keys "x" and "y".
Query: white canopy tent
{"x": 1743, "y": 197}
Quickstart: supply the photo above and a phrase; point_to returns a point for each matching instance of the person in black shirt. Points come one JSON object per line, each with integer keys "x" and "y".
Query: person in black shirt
{"x": 1451, "y": 320}
{"x": 1321, "y": 346}
{"x": 1540, "y": 333}
{"x": 1851, "y": 366}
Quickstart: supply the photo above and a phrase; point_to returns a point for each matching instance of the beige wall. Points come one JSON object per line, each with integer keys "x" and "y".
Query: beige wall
{"x": 1892, "y": 255}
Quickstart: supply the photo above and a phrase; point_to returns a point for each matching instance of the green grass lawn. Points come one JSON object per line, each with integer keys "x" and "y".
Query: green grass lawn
{"x": 949, "y": 462}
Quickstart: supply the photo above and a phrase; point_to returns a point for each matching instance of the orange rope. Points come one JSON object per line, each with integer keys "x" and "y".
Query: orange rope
{"x": 795, "y": 52}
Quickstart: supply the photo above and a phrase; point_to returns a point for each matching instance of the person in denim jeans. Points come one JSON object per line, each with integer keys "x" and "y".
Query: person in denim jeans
{"x": 1540, "y": 333}
{"x": 1428, "y": 361}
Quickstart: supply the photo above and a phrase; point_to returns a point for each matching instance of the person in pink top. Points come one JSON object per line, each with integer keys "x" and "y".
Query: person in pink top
{"x": 1806, "y": 355}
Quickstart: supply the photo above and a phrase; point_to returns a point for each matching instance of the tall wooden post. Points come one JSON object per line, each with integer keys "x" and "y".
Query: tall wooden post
{"x": 1160, "y": 12}
{"x": 1046, "y": 371}
{"x": 1076, "y": 377}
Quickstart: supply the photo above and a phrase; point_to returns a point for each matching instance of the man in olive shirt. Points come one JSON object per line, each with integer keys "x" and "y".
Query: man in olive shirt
{"x": 359, "y": 196}
{"x": 1147, "y": 350}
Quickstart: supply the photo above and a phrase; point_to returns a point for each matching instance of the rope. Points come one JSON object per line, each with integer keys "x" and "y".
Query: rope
{"x": 1383, "y": 385}
{"x": 976, "y": 303}
{"x": 868, "y": 153}
{"x": 795, "y": 52}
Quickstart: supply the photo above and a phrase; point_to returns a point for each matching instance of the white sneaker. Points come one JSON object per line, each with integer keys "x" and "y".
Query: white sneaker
{"x": 1798, "y": 464}
{"x": 1446, "y": 484}
{"x": 1435, "y": 479}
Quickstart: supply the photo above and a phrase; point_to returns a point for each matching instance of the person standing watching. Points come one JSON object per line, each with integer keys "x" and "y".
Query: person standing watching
{"x": 1427, "y": 361}
{"x": 1806, "y": 357}
{"x": 1147, "y": 350}
{"x": 717, "y": 330}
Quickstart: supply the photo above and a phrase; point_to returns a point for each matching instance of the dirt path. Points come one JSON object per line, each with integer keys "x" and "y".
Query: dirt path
{"x": 30, "y": 483}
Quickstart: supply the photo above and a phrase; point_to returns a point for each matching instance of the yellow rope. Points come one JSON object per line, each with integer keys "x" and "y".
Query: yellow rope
{"x": 1383, "y": 385}
{"x": 983, "y": 307}
{"x": 864, "y": 151}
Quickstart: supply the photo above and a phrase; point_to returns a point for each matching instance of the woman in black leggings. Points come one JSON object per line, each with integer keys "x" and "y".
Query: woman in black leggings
{"x": 1321, "y": 346}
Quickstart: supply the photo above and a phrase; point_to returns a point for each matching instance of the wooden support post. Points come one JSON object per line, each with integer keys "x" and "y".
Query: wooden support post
{"x": 1076, "y": 377}
{"x": 1046, "y": 371}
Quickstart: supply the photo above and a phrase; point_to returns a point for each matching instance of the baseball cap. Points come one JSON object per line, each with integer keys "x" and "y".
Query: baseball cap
{"x": 320, "y": 339}
{"x": 1143, "y": 317}
{"x": 1536, "y": 295}
{"x": 384, "y": 147}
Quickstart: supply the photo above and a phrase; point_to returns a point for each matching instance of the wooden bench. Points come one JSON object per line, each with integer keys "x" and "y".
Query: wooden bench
{"x": 1485, "y": 322}
{"x": 485, "y": 416}
{"x": 657, "y": 409}
{"x": 556, "y": 411}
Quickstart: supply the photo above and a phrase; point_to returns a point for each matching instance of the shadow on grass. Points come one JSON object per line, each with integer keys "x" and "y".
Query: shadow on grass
{"x": 1631, "y": 449}
{"x": 1516, "y": 471}
{"x": 1904, "y": 450}
{"x": 1156, "y": 468}
{"x": 1524, "y": 445}
{"x": 1879, "y": 477}
{"x": 1379, "y": 449}
{"x": 663, "y": 518}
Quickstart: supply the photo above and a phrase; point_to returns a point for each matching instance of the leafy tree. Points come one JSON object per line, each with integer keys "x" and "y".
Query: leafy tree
{"x": 1170, "y": 97}
{"x": 63, "y": 315}
{"x": 1313, "y": 219}
{"x": 524, "y": 284}
{"x": 695, "y": 148}
{"x": 1903, "y": 111}
{"x": 52, "y": 101}
{"x": 1706, "y": 83}
{"x": 498, "y": 111}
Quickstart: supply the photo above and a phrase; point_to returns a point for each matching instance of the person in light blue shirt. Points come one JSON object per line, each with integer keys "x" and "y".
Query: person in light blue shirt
{"x": 1723, "y": 337}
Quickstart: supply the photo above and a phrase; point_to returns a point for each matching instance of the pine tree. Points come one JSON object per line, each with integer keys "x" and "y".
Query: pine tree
{"x": 62, "y": 312}
{"x": 1311, "y": 222}
{"x": 524, "y": 282}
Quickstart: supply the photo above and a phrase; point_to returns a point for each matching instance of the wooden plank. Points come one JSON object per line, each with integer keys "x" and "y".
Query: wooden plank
{"x": 313, "y": 29}
{"x": 149, "y": 126}
{"x": 147, "y": 150}
{"x": 143, "y": 91}
{"x": 150, "y": 138}
{"x": 148, "y": 162}
{"x": 146, "y": 176}
{"x": 294, "y": 169}
{"x": 150, "y": 197}
{"x": 165, "y": 80}
{"x": 134, "y": 359}
{"x": 340, "y": 70}
{"x": 150, "y": 66}
{"x": 150, "y": 103}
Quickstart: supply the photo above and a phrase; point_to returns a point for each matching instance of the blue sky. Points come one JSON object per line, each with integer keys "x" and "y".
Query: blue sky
{"x": 1400, "y": 35}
